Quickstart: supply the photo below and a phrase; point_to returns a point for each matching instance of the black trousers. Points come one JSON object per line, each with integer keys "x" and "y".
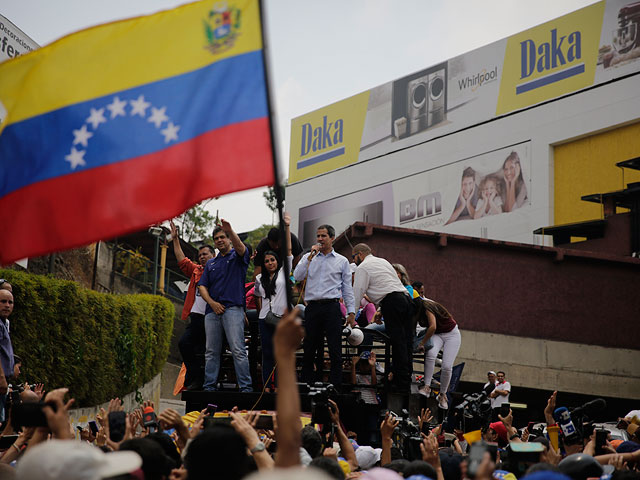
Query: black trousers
{"x": 322, "y": 320}
{"x": 192, "y": 347}
{"x": 397, "y": 312}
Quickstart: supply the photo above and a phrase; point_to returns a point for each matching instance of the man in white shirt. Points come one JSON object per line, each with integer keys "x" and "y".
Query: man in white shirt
{"x": 378, "y": 279}
{"x": 500, "y": 394}
{"x": 491, "y": 382}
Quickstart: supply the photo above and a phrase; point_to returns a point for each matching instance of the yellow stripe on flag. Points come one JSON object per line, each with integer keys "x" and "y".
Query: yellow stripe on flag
{"x": 120, "y": 55}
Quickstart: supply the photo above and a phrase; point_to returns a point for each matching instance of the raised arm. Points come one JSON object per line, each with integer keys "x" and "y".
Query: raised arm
{"x": 238, "y": 246}
{"x": 175, "y": 239}
{"x": 286, "y": 341}
{"x": 346, "y": 448}
{"x": 287, "y": 233}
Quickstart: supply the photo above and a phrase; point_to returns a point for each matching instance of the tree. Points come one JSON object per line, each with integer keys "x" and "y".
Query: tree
{"x": 270, "y": 198}
{"x": 197, "y": 223}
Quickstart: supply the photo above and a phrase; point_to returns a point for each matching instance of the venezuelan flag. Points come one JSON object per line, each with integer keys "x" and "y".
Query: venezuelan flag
{"x": 116, "y": 127}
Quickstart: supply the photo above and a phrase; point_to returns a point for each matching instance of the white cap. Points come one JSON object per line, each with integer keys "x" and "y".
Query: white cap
{"x": 73, "y": 460}
{"x": 368, "y": 456}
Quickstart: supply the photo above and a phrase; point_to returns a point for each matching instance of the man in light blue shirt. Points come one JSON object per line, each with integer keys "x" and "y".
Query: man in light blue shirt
{"x": 328, "y": 280}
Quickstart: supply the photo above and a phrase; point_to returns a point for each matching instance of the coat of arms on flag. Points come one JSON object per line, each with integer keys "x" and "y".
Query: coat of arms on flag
{"x": 222, "y": 26}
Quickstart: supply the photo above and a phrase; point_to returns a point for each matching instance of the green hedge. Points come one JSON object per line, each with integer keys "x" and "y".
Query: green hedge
{"x": 98, "y": 345}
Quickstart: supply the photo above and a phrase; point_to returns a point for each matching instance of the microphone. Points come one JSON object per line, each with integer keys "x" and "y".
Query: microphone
{"x": 590, "y": 408}
{"x": 563, "y": 418}
{"x": 314, "y": 253}
{"x": 149, "y": 419}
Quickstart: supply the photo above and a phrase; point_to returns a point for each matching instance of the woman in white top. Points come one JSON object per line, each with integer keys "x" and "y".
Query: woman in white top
{"x": 271, "y": 295}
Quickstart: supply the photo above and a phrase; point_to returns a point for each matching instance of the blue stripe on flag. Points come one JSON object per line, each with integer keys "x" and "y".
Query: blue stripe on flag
{"x": 226, "y": 92}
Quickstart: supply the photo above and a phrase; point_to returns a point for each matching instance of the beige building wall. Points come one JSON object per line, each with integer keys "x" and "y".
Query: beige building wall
{"x": 552, "y": 365}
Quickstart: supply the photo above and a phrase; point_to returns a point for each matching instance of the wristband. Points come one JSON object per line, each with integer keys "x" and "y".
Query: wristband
{"x": 16, "y": 447}
{"x": 515, "y": 435}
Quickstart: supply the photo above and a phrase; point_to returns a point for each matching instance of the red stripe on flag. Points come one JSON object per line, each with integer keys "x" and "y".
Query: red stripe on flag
{"x": 105, "y": 202}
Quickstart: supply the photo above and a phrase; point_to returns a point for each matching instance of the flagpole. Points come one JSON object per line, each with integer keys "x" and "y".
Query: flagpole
{"x": 274, "y": 154}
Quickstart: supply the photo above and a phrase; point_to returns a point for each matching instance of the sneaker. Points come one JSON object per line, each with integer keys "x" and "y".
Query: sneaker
{"x": 425, "y": 391}
{"x": 442, "y": 402}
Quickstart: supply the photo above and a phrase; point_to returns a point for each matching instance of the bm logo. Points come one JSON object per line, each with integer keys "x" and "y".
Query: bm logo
{"x": 317, "y": 139}
{"x": 422, "y": 207}
{"x": 559, "y": 52}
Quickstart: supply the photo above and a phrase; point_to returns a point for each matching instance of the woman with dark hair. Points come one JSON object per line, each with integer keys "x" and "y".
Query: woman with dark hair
{"x": 516, "y": 190}
{"x": 443, "y": 330}
{"x": 271, "y": 294}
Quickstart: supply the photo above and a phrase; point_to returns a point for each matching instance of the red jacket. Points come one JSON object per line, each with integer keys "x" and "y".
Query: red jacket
{"x": 194, "y": 272}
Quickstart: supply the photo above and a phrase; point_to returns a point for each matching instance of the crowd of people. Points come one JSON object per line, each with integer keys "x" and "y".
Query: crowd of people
{"x": 144, "y": 445}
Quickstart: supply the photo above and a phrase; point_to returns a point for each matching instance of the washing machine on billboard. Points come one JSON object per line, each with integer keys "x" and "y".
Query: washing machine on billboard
{"x": 419, "y": 101}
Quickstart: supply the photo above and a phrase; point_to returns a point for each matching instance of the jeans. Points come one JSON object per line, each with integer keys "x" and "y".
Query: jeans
{"x": 268, "y": 362}
{"x": 232, "y": 323}
{"x": 449, "y": 343}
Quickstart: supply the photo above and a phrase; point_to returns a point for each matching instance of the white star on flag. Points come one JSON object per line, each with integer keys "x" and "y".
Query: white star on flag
{"x": 81, "y": 136}
{"x": 158, "y": 117}
{"x": 139, "y": 106}
{"x": 117, "y": 107}
{"x": 96, "y": 117}
{"x": 170, "y": 133}
{"x": 75, "y": 158}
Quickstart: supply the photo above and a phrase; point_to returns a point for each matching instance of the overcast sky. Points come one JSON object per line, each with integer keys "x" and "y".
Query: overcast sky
{"x": 321, "y": 51}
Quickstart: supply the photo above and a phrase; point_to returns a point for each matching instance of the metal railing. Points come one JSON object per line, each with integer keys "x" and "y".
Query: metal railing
{"x": 132, "y": 264}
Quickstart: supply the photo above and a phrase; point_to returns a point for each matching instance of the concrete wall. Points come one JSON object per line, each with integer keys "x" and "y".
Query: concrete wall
{"x": 149, "y": 391}
{"x": 549, "y": 365}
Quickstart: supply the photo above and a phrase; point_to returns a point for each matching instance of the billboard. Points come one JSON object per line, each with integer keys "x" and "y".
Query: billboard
{"x": 487, "y": 195}
{"x": 13, "y": 41}
{"x": 587, "y": 47}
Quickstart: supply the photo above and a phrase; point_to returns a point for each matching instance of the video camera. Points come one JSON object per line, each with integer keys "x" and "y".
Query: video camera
{"x": 319, "y": 394}
{"x": 473, "y": 412}
{"x": 575, "y": 423}
{"x": 408, "y": 436}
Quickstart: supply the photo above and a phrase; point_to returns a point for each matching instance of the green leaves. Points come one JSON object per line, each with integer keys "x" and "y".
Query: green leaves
{"x": 98, "y": 345}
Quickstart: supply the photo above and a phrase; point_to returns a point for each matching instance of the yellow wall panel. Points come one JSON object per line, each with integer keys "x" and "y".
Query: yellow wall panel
{"x": 587, "y": 166}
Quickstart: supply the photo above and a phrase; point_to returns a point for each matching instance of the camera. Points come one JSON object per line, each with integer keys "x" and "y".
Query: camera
{"x": 473, "y": 412}
{"x": 409, "y": 438}
{"x": 319, "y": 394}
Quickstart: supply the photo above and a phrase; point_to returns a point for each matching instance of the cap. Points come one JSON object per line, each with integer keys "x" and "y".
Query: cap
{"x": 627, "y": 447}
{"x": 368, "y": 456}
{"x": 365, "y": 355}
{"x": 73, "y": 460}
{"x": 491, "y": 372}
{"x": 500, "y": 429}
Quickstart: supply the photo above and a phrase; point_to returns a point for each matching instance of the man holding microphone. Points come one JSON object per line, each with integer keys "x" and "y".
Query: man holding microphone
{"x": 328, "y": 280}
